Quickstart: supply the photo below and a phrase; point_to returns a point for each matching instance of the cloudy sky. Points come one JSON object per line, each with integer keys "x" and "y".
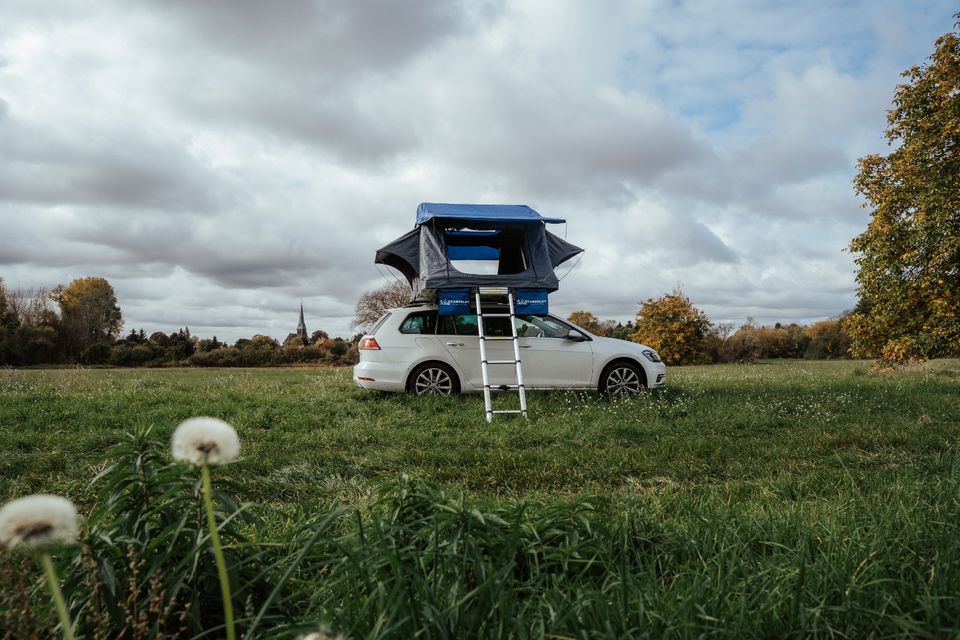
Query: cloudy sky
{"x": 218, "y": 161}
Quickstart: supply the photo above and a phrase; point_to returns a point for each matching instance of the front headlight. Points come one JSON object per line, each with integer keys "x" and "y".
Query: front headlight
{"x": 651, "y": 355}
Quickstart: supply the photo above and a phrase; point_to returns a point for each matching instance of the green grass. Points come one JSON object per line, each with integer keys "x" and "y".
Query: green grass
{"x": 759, "y": 500}
{"x": 760, "y": 427}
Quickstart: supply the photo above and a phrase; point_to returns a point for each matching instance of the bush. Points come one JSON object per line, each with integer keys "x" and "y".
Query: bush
{"x": 339, "y": 347}
{"x": 126, "y": 355}
{"x": 828, "y": 339}
{"x": 31, "y": 344}
{"x": 751, "y": 342}
{"x": 97, "y": 353}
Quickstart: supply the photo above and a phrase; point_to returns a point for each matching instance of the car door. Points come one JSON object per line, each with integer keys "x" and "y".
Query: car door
{"x": 460, "y": 337}
{"x": 550, "y": 358}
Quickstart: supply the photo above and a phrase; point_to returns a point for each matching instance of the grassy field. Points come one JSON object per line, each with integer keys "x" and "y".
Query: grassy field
{"x": 804, "y": 498}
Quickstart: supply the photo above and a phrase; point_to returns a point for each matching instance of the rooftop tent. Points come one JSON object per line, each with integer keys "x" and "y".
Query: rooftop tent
{"x": 449, "y": 241}
{"x": 481, "y": 212}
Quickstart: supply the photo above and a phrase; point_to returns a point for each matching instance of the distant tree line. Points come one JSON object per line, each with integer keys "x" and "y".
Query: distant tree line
{"x": 81, "y": 323}
{"x": 683, "y": 334}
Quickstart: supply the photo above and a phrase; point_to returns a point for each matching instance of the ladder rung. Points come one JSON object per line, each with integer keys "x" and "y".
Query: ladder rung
{"x": 502, "y": 361}
{"x": 501, "y": 387}
{"x": 493, "y": 291}
{"x": 496, "y": 337}
{"x": 497, "y": 315}
{"x": 507, "y": 411}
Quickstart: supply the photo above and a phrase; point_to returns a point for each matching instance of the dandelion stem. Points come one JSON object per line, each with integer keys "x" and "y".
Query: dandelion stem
{"x": 218, "y": 553}
{"x": 54, "y": 582}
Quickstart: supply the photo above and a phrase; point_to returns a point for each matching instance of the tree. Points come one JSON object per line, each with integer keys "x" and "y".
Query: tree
{"x": 623, "y": 331}
{"x": 260, "y": 341}
{"x": 8, "y": 316}
{"x": 827, "y": 340}
{"x": 8, "y": 326}
{"x": 32, "y": 306}
{"x": 750, "y": 342}
{"x": 89, "y": 313}
{"x": 339, "y": 347}
{"x": 592, "y": 323}
{"x": 180, "y": 345}
{"x": 674, "y": 328}
{"x": 209, "y": 344}
{"x": 136, "y": 337}
{"x": 373, "y": 304}
{"x": 909, "y": 256}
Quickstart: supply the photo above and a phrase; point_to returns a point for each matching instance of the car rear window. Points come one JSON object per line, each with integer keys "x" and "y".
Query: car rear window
{"x": 379, "y": 323}
{"x": 420, "y": 322}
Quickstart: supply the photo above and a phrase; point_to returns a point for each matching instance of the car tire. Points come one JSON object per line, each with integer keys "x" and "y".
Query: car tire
{"x": 622, "y": 378}
{"x": 433, "y": 379}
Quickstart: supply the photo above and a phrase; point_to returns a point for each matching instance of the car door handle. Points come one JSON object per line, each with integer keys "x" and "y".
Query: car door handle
{"x": 454, "y": 344}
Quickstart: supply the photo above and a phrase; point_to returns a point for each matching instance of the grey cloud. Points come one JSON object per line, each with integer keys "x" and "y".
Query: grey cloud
{"x": 303, "y": 74}
{"x": 323, "y": 37}
{"x": 247, "y": 249}
{"x": 648, "y": 231}
{"x": 550, "y": 140}
{"x": 690, "y": 242}
{"x": 335, "y": 121}
{"x": 119, "y": 167}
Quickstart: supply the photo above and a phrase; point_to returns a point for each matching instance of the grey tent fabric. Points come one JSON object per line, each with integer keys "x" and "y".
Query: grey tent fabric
{"x": 403, "y": 254}
{"x": 526, "y": 252}
{"x": 560, "y": 250}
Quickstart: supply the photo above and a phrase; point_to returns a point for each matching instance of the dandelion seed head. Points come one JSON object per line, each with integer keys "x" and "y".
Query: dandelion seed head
{"x": 37, "y": 521}
{"x": 205, "y": 441}
{"x": 321, "y": 635}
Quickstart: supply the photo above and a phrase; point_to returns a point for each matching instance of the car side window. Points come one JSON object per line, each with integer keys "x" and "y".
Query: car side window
{"x": 445, "y": 326}
{"x": 541, "y": 327}
{"x": 526, "y": 329}
{"x": 465, "y": 325}
{"x": 496, "y": 327}
{"x": 420, "y": 322}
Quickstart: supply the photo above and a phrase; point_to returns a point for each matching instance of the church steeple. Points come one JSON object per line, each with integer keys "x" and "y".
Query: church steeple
{"x": 302, "y": 326}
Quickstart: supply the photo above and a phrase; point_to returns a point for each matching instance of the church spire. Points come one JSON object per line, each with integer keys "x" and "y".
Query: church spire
{"x": 302, "y": 326}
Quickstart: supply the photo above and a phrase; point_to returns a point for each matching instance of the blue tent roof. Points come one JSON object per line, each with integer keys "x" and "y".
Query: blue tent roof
{"x": 483, "y": 212}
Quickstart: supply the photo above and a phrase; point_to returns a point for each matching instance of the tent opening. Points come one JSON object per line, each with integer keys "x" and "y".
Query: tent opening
{"x": 485, "y": 252}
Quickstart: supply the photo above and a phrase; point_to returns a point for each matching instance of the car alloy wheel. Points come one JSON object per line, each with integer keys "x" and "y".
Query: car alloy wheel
{"x": 433, "y": 381}
{"x": 622, "y": 380}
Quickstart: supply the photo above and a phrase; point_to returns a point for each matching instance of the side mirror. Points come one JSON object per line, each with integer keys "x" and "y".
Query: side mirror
{"x": 575, "y": 335}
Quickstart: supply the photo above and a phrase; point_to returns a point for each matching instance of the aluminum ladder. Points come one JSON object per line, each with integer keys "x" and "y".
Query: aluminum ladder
{"x": 498, "y": 293}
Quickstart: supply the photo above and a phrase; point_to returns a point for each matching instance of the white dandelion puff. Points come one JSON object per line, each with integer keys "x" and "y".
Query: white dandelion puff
{"x": 320, "y": 635}
{"x": 37, "y": 521}
{"x": 205, "y": 441}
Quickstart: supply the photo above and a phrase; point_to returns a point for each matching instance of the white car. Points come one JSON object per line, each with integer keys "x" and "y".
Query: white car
{"x": 414, "y": 349}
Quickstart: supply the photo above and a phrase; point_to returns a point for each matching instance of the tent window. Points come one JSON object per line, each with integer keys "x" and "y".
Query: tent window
{"x": 475, "y": 267}
{"x": 476, "y": 252}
